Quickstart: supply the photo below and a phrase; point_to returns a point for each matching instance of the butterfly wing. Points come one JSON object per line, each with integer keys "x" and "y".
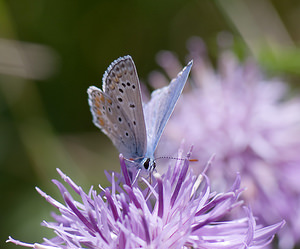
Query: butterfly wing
{"x": 125, "y": 124}
{"x": 112, "y": 122}
{"x": 159, "y": 109}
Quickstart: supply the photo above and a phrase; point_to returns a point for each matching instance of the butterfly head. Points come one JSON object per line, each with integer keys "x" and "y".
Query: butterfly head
{"x": 148, "y": 164}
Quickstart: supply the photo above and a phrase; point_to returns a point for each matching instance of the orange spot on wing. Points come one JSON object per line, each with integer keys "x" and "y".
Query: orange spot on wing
{"x": 101, "y": 98}
{"x": 97, "y": 104}
{"x": 193, "y": 160}
{"x": 101, "y": 121}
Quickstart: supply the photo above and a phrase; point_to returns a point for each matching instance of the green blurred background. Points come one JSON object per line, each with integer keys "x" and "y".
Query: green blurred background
{"x": 52, "y": 50}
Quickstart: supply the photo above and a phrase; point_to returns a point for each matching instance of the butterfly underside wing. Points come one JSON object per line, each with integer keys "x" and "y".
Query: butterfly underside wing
{"x": 159, "y": 109}
{"x": 117, "y": 109}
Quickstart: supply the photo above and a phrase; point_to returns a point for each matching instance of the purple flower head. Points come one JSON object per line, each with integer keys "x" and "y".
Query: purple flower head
{"x": 175, "y": 210}
{"x": 251, "y": 126}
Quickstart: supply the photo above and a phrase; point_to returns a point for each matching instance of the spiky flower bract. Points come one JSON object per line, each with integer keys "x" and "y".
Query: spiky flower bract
{"x": 175, "y": 210}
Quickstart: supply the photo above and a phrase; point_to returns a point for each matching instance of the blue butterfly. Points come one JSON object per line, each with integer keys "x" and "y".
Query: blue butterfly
{"x": 118, "y": 111}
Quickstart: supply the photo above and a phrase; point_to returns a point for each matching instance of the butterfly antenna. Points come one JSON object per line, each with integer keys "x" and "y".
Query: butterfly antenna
{"x": 176, "y": 158}
{"x": 134, "y": 159}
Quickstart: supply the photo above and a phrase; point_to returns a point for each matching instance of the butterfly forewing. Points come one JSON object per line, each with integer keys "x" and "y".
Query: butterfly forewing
{"x": 121, "y": 84}
{"x": 159, "y": 109}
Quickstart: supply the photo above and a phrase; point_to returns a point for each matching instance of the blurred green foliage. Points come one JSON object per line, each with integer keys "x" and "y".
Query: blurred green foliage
{"x": 45, "y": 121}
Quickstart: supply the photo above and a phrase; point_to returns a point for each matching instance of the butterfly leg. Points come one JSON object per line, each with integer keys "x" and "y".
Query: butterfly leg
{"x": 136, "y": 176}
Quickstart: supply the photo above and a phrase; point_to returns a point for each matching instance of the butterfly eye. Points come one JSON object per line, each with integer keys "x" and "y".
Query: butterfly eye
{"x": 146, "y": 163}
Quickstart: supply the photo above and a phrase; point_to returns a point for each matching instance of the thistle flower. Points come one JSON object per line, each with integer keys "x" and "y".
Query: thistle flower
{"x": 176, "y": 210}
{"x": 251, "y": 126}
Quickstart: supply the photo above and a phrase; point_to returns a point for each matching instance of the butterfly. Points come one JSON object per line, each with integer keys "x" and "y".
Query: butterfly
{"x": 117, "y": 110}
